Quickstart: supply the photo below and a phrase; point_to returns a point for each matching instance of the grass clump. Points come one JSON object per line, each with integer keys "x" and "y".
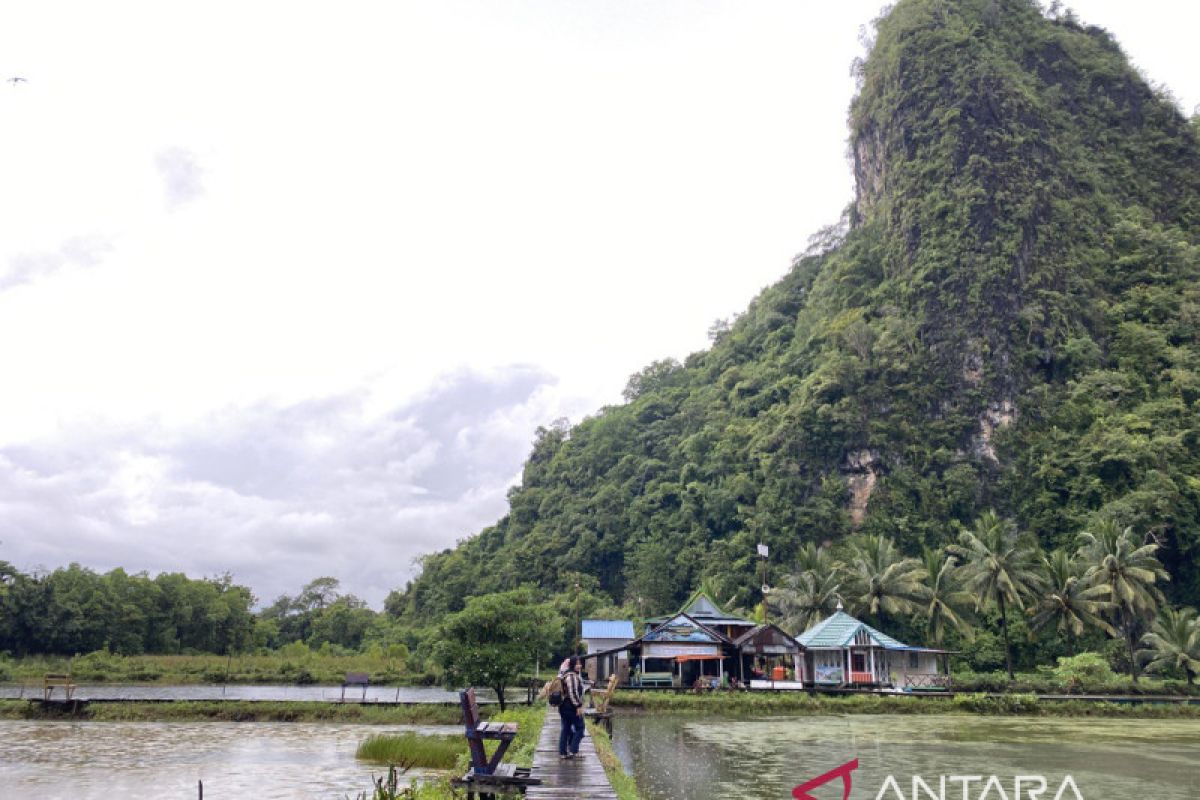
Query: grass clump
{"x": 412, "y": 749}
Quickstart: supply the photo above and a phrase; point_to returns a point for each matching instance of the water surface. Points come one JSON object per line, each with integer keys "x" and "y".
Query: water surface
{"x": 684, "y": 756}
{"x": 144, "y": 760}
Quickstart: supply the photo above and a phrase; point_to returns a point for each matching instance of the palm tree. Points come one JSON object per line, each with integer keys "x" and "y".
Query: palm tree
{"x": 1001, "y": 569}
{"x": 947, "y": 599}
{"x": 1174, "y": 643}
{"x": 1130, "y": 571}
{"x": 805, "y": 599}
{"x": 1069, "y": 602}
{"x": 812, "y": 558}
{"x": 881, "y": 582}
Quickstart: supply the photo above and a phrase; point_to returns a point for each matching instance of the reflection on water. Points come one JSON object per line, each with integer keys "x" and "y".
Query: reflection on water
{"x": 387, "y": 694}
{"x": 683, "y": 756}
{"x": 102, "y": 760}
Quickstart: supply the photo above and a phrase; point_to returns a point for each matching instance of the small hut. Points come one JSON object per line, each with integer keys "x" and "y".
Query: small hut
{"x": 607, "y": 636}
{"x": 770, "y": 658}
{"x": 680, "y": 652}
{"x": 844, "y": 651}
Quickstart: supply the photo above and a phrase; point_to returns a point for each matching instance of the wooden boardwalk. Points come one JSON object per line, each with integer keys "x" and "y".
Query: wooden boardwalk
{"x": 581, "y": 777}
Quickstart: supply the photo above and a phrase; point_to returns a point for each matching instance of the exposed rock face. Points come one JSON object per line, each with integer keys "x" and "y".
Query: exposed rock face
{"x": 998, "y": 415}
{"x": 861, "y": 472}
{"x": 869, "y": 170}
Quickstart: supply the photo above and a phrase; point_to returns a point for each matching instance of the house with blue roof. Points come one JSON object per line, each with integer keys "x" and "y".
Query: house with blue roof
{"x": 845, "y": 651}
{"x": 606, "y": 636}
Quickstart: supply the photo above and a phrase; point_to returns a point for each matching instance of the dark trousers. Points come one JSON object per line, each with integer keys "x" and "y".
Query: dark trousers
{"x": 572, "y": 728}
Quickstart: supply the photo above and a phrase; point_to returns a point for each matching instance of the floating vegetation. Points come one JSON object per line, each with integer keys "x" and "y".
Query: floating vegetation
{"x": 412, "y": 749}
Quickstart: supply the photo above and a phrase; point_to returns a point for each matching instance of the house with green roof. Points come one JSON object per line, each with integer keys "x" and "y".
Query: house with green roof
{"x": 702, "y": 608}
{"x": 845, "y": 651}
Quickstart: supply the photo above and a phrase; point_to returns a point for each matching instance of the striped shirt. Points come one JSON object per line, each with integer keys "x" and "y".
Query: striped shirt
{"x": 572, "y": 689}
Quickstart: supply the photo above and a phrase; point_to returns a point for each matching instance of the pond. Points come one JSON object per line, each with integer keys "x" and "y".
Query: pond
{"x": 104, "y": 760}
{"x": 378, "y": 694}
{"x": 685, "y": 756}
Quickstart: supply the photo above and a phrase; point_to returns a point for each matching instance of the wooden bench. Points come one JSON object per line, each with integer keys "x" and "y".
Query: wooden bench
{"x": 656, "y": 679}
{"x": 488, "y": 774}
{"x": 477, "y": 732}
{"x": 54, "y": 680}
{"x": 356, "y": 679}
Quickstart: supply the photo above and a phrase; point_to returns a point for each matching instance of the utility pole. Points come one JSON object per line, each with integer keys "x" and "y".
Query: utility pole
{"x": 763, "y": 552}
{"x": 578, "y": 621}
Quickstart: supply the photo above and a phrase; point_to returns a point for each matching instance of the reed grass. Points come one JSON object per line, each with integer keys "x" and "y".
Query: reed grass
{"x": 412, "y": 749}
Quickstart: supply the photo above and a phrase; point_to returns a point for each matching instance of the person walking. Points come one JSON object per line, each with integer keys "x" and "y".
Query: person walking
{"x": 570, "y": 710}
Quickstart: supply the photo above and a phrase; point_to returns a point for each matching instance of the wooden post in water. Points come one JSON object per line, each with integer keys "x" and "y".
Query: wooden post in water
{"x": 201, "y": 789}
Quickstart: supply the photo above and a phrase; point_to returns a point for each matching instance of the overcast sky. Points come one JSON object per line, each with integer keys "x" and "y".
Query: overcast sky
{"x": 286, "y": 287}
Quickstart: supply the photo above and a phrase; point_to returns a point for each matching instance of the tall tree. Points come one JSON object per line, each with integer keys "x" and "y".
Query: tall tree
{"x": 1174, "y": 643}
{"x": 946, "y": 601}
{"x": 1116, "y": 559}
{"x": 1001, "y": 569}
{"x": 496, "y": 637}
{"x": 881, "y": 582}
{"x": 1068, "y": 602}
{"x": 805, "y": 599}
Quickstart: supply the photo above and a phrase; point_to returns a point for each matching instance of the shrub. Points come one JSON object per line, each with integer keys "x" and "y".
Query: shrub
{"x": 1085, "y": 669}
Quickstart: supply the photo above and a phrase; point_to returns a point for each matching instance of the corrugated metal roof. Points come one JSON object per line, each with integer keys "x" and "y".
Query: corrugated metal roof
{"x": 839, "y": 630}
{"x": 701, "y": 607}
{"x": 607, "y": 629}
{"x": 682, "y": 628}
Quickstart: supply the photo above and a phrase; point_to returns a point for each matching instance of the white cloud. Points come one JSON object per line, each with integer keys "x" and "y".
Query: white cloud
{"x": 182, "y": 176}
{"x": 77, "y": 252}
{"x": 280, "y": 495}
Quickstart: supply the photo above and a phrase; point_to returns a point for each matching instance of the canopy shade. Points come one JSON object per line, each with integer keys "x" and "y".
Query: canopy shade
{"x": 698, "y": 657}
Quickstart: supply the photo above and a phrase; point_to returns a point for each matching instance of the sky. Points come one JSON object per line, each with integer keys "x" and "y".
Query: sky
{"x": 286, "y": 288}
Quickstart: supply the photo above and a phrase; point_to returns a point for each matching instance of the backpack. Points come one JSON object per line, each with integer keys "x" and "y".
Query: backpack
{"x": 556, "y": 694}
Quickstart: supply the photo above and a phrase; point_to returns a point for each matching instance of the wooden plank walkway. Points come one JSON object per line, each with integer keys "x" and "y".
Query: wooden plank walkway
{"x": 581, "y": 777}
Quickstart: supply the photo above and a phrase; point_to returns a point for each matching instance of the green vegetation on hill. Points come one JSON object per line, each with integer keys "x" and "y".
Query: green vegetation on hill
{"x": 1006, "y": 318}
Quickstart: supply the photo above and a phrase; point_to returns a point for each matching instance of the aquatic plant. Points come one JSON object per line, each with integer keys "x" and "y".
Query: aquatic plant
{"x": 412, "y": 749}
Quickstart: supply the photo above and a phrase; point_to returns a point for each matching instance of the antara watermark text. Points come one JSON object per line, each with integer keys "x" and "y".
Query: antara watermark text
{"x": 981, "y": 787}
{"x": 950, "y": 787}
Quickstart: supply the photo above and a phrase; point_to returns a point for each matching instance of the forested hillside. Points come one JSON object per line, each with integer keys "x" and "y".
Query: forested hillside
{"x": 1006, "y": 318}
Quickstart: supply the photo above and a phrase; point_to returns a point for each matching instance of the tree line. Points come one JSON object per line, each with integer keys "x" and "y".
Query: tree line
{"x": 74, "y": 610}
{"x": 77, "y": 610}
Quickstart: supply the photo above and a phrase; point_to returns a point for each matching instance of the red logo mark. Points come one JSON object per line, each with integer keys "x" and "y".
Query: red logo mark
{"x": 801, "y": 791}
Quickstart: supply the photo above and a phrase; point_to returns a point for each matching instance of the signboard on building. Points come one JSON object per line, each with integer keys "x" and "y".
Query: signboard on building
{"x": 662, "y": 650}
